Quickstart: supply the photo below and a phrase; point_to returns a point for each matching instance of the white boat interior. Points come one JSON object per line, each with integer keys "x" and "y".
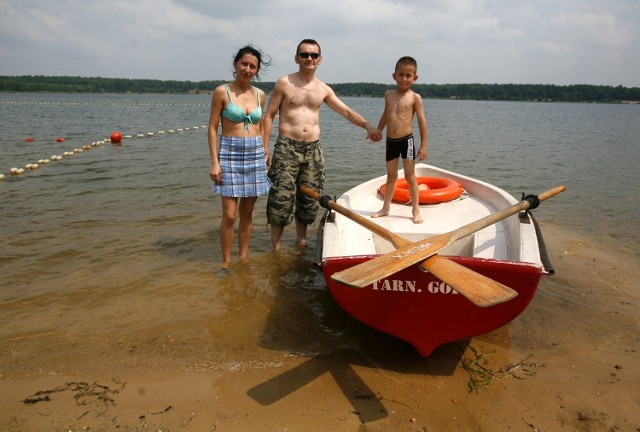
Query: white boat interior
{"x": 509, "y": 239}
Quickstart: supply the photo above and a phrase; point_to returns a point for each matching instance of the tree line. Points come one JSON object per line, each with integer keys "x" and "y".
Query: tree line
{"x": 498, "y": 92}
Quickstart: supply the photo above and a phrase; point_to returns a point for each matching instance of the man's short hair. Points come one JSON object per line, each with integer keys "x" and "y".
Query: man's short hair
{"x": 309, "y": 42}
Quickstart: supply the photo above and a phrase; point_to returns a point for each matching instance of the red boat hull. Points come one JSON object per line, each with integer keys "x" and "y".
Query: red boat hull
{"x": 422, "y": 310}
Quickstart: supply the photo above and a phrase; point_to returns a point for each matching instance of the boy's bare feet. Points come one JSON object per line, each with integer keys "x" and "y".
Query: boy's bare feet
{"x": 380, "y": 213}
{"x": 417, "y": 218}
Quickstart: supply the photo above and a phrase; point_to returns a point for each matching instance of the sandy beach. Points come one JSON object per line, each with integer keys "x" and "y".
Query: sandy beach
{"x": 569, "y": 362}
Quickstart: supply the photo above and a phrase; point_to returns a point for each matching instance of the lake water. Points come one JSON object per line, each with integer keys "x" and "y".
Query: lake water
{"x": 114, "y": 249}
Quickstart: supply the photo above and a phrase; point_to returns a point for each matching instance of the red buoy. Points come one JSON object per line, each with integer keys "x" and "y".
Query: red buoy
{"x": 29, "y": 139}
{"x": 116, "y": 137}
{"x": 60, "y": 139}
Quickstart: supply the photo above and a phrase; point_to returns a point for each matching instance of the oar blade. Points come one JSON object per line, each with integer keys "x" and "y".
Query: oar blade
{"x": 477, "y": 288}
{"x": 362, "y": 275}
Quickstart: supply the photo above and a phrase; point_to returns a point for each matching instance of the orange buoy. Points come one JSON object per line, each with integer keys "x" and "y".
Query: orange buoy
{"x": 59, "y": 139}
{"x": 116, "y": 137}
{"x": 431, "y": 190}
{"x": 29, "y": 139}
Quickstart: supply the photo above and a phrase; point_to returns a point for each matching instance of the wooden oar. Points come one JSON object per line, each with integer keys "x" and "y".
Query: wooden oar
{"x": 383, "y": 266}
{"x": 479, "y": 289}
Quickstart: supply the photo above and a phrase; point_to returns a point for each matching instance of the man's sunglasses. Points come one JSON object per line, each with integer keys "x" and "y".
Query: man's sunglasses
{"x": 306, "y": 55}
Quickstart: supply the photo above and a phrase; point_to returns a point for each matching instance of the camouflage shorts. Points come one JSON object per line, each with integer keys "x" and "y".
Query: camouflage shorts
{"x": 294, "y": 163}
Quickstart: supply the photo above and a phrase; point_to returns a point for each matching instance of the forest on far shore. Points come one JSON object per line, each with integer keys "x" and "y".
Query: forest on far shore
{"x": 497, "y": 92}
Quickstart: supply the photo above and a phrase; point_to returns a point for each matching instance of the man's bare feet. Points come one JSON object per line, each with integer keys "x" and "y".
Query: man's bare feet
{"x": 380, "y": 213}
{"x": 223, "y": 271}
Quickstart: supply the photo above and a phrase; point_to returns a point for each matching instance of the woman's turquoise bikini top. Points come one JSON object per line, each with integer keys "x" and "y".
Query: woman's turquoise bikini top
{"x": 236, "y": 114}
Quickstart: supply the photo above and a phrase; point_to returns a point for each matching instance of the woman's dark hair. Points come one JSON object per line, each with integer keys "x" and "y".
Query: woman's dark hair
{"x": 262, "y": 63}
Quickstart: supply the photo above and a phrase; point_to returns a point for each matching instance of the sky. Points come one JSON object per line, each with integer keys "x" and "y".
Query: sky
{"x": 558, "y": 42}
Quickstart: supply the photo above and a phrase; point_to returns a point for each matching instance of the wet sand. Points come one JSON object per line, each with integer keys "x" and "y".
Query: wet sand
{"x": 570, "y": 362}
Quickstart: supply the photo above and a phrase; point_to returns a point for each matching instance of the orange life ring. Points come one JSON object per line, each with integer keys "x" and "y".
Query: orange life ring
{"x": 432, "y": 190}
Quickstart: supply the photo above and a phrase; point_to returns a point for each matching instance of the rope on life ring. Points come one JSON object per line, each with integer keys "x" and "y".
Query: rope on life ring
{"x": 432, "y": 190}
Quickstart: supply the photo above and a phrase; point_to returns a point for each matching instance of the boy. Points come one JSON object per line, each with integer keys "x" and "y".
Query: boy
{"x": 400, "y": 105}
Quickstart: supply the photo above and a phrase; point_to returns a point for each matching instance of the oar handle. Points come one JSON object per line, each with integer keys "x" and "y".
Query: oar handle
{"x": 551, "y": 193}
{"x": 525, "y": 204}
{"x": 309, "y": 192}
{"x": 397, "y": 240}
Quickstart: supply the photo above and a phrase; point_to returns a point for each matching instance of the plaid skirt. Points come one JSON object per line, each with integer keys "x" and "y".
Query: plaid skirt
{"x": 243, "y": 166}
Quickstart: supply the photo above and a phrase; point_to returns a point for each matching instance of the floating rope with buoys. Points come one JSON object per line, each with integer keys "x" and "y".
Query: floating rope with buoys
{"x": 115, "y": 138}
{"x": 108, "y": 104}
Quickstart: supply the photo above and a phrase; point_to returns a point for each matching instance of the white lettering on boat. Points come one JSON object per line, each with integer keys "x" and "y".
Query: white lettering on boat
{"x": 436, "y": 287}
{"x": 433, "y": 287}
{"x": 413, "y": 250}
{"x": 395, "y": 285}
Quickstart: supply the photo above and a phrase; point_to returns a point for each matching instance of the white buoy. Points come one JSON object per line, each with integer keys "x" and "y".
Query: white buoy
{"x": 1, "y": 176}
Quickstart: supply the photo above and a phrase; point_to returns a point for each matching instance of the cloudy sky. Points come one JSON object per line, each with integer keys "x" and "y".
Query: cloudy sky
{"x": 455, "y": 41}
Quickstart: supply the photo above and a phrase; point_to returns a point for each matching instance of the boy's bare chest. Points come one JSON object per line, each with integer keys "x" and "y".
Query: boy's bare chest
{"x": 402, "y": 108}
{"x": 401, "y": 103}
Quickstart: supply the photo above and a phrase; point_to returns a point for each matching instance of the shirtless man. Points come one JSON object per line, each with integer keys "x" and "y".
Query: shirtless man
{"x": 297, "y": 155}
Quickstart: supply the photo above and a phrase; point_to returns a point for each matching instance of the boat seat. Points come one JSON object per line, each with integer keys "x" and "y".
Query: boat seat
{"x": 358, "y": 236}
{"x": 489, "y": 245}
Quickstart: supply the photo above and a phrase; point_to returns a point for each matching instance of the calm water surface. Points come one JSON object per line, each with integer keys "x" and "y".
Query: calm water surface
{"x": 117, "y": 246}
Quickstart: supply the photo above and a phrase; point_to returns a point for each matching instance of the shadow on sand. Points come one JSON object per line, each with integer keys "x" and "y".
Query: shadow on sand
{"x": 304, "y": 319}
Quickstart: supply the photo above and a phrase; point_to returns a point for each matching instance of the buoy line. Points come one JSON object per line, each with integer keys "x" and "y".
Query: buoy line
{"x": 131, "y": 104}
{"x": 115, "y": 138}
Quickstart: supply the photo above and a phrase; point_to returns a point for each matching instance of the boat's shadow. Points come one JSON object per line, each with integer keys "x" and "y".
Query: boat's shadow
{"x": 305, "y": 321}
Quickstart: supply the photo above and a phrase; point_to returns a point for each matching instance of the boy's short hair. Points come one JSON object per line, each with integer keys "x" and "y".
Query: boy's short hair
{"x": 407, "y": 61}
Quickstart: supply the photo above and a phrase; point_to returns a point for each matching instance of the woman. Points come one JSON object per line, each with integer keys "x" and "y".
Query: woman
{"x": 238, "y": 156}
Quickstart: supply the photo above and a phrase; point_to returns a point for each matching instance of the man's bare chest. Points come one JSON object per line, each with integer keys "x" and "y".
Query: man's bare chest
{"x": 301, "y": 98}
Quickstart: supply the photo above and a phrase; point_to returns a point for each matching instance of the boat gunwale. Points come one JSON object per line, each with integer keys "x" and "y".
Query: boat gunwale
{"x": 520, "y": 241}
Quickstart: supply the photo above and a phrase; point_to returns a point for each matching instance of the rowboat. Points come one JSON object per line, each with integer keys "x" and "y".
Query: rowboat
{"x": 406, "y": 279}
